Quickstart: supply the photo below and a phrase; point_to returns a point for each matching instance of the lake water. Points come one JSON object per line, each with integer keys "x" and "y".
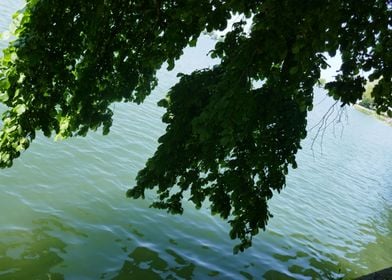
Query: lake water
{"x": 64, "y": 214}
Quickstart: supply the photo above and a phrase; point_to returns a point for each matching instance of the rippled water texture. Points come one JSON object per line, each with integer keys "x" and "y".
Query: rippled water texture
{"x": 64, "y": 213}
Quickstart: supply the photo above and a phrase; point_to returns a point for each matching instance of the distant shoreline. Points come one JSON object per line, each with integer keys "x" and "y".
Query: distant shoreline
{"x": 373, "y": 113}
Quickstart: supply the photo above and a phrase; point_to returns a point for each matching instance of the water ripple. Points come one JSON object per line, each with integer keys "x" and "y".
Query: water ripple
{"x": 65, "y": 213}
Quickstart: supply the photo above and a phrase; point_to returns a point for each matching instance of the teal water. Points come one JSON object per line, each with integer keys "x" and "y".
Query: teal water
{"x": 64, "y": 214}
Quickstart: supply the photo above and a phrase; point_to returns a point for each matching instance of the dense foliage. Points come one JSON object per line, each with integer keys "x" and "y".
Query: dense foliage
{"x": 233, "y": 130}
{"x": 367, "y": 100}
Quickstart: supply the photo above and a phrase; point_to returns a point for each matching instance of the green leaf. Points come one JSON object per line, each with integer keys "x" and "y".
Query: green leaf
{"x": 20, "y": 109}
{"x": 193, "y": 42}
{"x": 4, "y": 85}
{"x": 3, "y": 97}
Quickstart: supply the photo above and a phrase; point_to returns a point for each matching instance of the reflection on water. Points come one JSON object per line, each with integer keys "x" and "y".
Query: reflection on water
{"x": 42, "y": 251}
{"x": 144, "y": 263}
{"x": 273, "y": 275}
{"x": 32, "y": 253}
{"x": 377, "y": 253}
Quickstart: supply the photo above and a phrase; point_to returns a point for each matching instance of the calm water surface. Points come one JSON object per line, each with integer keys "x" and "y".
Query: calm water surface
{"x": 65, "y": 214}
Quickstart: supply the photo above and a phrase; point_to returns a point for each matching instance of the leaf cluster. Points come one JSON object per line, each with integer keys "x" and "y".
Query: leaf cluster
{"x": 232, "y": 131}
